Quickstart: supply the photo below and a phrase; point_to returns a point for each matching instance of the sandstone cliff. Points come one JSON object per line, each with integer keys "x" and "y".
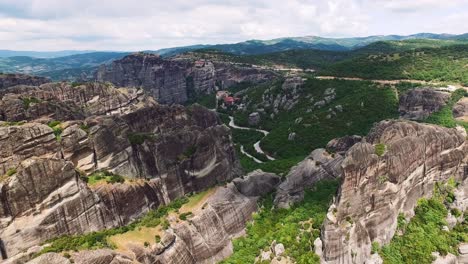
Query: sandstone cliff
{"x": 378, "y": 185}
{"x": 203, "y": 238}
{"x": 170, "y": 151}
{"x": 176, "y": 80}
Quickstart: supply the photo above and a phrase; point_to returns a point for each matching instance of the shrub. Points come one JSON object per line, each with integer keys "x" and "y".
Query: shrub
{"x": 157, "y": 238}
{"x": 380, "y": 149}
{"x": 455, "y": 212}
{"x": 375, "y": 247}
{"x": 146, "y": 244}
{"x": 184, "y": 216}
{"x": 11, "y": 172}
{"x": 139, "y": 138}
{"x": 188, "y": 153}
{"x": 85, "y": 128}
{"x": 28, "y": 101}
{"x": 116, "y": 179}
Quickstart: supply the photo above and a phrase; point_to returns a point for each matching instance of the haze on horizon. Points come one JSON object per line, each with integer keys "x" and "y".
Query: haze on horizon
{"x": 46, "y": 25}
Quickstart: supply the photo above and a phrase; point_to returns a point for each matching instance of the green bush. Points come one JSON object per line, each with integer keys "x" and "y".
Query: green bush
{"x": 283, "y": 225}
{"x": 157, "y": 238}
{"x": 380, "y": 149}
{"x": 11, "y": 172}
{"x": 30, "y": 100}
{"x": 424, "y": 235}
{"x": 375, "y": 247}
{"x": 188, "y": 153}
{"x": 184, "y": 216}
{"x": 444, "y": 117}
{"x": 140, "y": 138}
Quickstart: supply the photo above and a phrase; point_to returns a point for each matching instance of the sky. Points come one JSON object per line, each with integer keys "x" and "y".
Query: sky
{"x": 132, "y": 25}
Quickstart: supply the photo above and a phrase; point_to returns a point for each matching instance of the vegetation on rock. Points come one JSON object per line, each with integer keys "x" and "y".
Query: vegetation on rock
{"x": 296, "y": 228}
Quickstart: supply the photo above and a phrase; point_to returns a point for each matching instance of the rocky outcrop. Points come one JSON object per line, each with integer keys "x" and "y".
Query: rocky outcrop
{"x": 9, "y": 80}
{"x": 65, "y": 101}
{"x": 206, "y": 237}
{"x": 376, "y": 189}
{"x": 165, "y": 152}
{"x": 342, "y": 144}
{"x": 319, "y": 165}
{"x": 44, "y": 199}
{"x": 176, "y": 80}
{"x": 257, "y": 183}
{"x": 460, "y": 110}
{"x": 418, "y": 104}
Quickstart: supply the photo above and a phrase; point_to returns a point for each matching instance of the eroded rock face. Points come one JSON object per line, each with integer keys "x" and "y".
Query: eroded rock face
{"x": 206, "y": 236}
{"x": 64, "y": 101}
{"x": 460, "y": 110}
{"x": 9, "y": 80}
{"x": 342, "y": 144}
{"x": 418, "y": 104}
{"x": 167, "y": 151}
{"x": 44, "y": 199}
{"x": 257, "y": 183}
{"x": 376, "y": 189}
{"x": 319, "y": 165}
{"x": 175, "y": 80}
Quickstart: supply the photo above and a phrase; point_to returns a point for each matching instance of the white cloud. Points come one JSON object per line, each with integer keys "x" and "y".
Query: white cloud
{"x": 153, "y": 24}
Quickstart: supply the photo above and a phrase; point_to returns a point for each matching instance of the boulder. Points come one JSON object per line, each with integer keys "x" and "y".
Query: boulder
{"x": 342, "y": 144}
{"x": 254, "y": 119}
{"x": 418, "y": 104}
{"x": 460, "y": 110}
{"x": 257, "y": 183}
{"x": 317, "y": 166}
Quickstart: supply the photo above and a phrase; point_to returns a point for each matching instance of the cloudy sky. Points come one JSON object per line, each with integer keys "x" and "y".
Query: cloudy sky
{"x": 132, "y": 25}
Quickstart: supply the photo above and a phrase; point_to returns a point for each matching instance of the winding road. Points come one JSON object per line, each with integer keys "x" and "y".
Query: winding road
{"x": 256, "y": 145}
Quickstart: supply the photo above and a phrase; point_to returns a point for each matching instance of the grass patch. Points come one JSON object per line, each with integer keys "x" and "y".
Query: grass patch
{"x": 286, "y": 226}
{"x": 138, "y": 236}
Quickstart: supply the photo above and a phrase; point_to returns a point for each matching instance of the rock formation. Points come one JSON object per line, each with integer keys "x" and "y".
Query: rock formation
{"x": 418, "y": 104}
{"x": 319, "y": 165}
{"x": 203, "y": 238}
{"x": 460, "y": 110}
{"x": 176, "y": 80}
{"x": 167, "y": 151}
{"x": 376, "y": 189}
{"x": 9, "y": 80}
{"x": 342, "y": 144}
{"x": 65, "y": 101}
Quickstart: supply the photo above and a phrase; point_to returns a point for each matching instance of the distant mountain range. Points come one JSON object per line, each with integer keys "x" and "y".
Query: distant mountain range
{"x": 71, "y": 65}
